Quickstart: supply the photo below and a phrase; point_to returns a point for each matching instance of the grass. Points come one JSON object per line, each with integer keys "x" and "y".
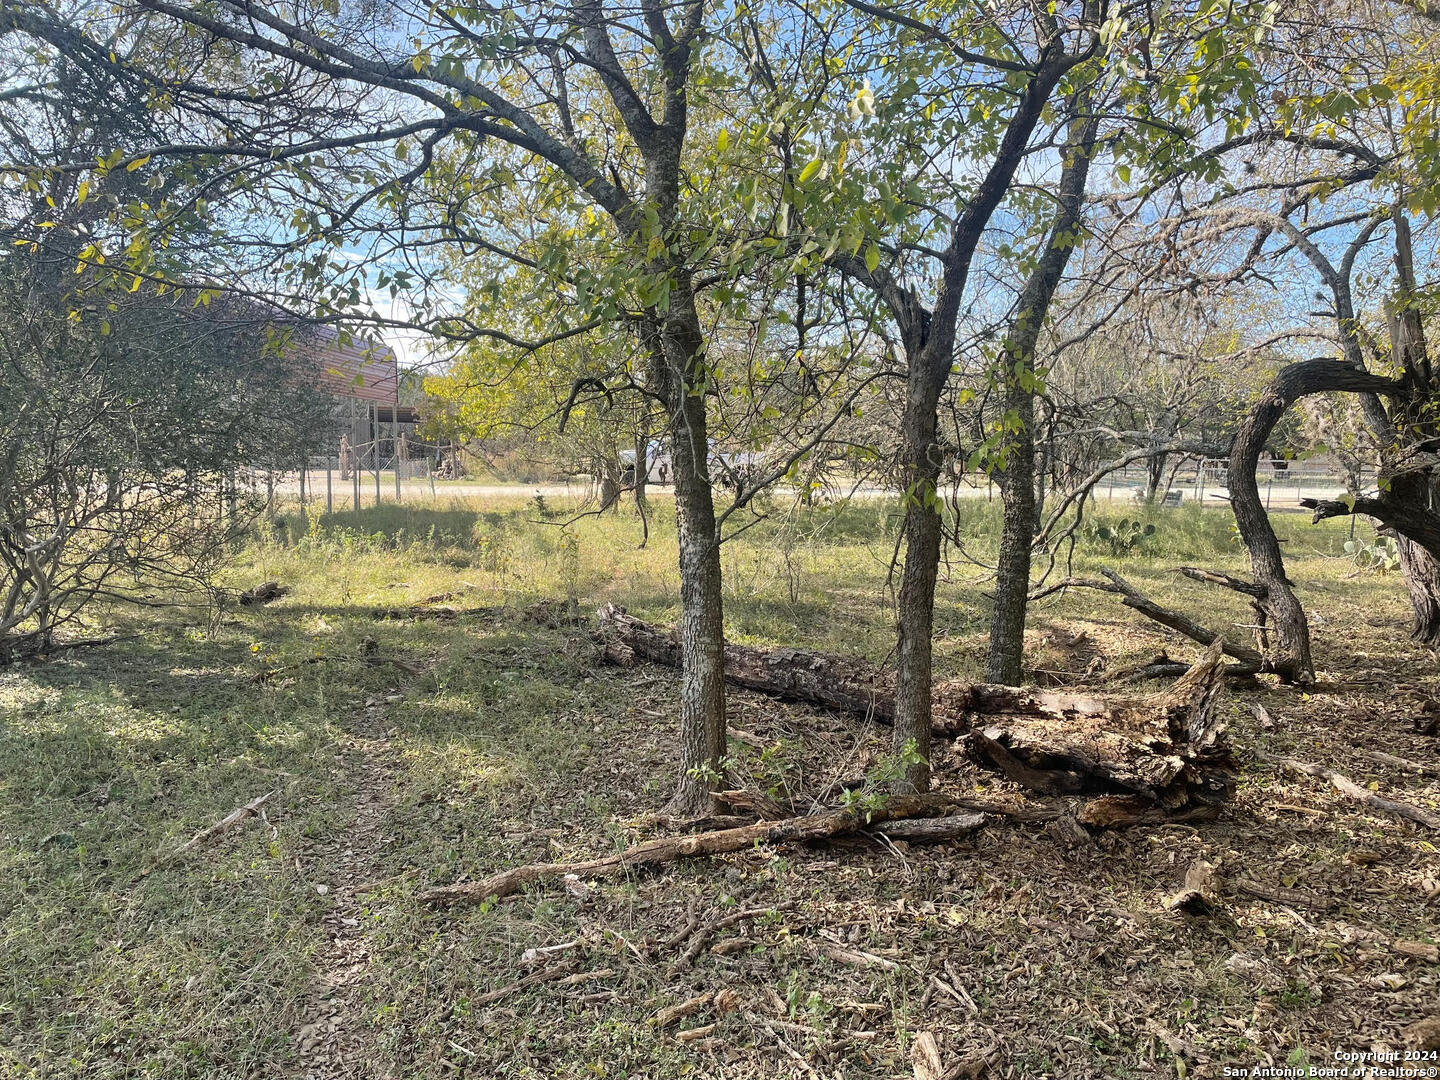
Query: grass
{"x": 512, "y": 744}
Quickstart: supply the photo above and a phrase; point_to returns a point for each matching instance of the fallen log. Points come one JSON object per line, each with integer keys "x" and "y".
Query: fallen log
{"x": 930, "y": 830}
{"x": 1250, "y": 661}
{"x": 1166, "y": 748}
{"x": 1126, "y": 811}
{"x": 669, "y": 848}
{"x": 836, "y": 682}
{"x": 263, "y": 593}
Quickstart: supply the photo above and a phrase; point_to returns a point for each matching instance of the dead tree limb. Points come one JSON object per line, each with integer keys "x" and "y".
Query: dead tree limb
{"x": 1200, "y": 893}
{"x": 204, "y": 836}
{"x": 1229, "y": 581}
{"x": 1250, "y": 661}
{"x": 1351, "y": 790}
{"x": 810, "y": 827}
{"x": 937, "y": 830}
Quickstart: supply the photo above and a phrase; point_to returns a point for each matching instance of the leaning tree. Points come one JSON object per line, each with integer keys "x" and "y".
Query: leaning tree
{"x": 1327, "y": 186}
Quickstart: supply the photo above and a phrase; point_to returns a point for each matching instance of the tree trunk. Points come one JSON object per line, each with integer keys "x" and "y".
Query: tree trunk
{"x": 702, "y": 622}
{"x": 915, "y": 619}
{"x": 1154, "y": 474}
{"x": 1419, "y": 565}
{"x": 1422, "y": 579}
{"x": 1290, "y": 658}
{"x": 1005, "y": 659}
{"x": 642, "y": 477}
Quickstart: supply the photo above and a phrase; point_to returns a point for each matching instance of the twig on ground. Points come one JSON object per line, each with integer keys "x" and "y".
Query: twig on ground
{"x": 548, "y": 975}
{"x": 204, "y": 836}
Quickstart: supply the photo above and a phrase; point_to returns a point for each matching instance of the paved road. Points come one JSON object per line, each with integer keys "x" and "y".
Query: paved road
{"x": 1280, "y": 495}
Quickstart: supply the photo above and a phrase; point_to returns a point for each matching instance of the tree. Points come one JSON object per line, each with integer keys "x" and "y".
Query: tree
{"x": 123, "y": 419}
{"x": 988, "y": 72}
{"x": 1335, "y": 158}
{"x": 1018, "y": 377}
{"x": 333, "y": 129}
{"x": 126, "y": 405}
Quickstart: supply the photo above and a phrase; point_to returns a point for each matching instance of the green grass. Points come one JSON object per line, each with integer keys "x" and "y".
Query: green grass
{"x": 515, "y": 745}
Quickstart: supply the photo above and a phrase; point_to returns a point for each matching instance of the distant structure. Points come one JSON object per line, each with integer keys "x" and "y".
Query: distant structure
{"x": 370, "y": 423}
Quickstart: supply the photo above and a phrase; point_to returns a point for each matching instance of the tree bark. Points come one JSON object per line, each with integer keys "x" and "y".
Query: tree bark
{"x": 1422, "y": 580}
{"x": 642, "y": 478}
{"x": 1200, "y": 895}
{"x": 1154, "y": 473}
{"x": 1004, "y": 661}
{"x": 702, "y": 622}
{"x": 1290, "y": 657}
{"x": 1020, "y": 520}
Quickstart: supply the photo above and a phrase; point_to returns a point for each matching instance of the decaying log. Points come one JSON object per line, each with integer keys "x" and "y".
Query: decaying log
{"x": 1166, "y": 748}
{"x": 1351, "y": 790}
{"x": 1278, "y": 895}
{"x": 263, "y": 593}
{"x": 1125, "y": 811}
{"x": 930, "y": 830}
{"x": 1423, "y": 1034}
{"x": 668, "y": 848}
{"x": 1199, "y": 895}
{"x": 836, "y": 682}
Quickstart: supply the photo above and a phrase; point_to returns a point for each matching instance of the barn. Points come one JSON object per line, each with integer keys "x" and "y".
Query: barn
{"x": 371, "y": 424}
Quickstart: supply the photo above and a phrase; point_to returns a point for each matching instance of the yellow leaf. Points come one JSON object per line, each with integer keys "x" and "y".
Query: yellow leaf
{"x": 138, "y": 163}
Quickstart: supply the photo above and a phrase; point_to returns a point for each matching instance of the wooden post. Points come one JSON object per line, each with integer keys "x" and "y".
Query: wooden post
{"x": 395, "y": 446}
{"x": 329, "y": 489}
{"x": 302, "y": 488}
{"x": 375, "y": 447}
{"x": 1269, "y": 485}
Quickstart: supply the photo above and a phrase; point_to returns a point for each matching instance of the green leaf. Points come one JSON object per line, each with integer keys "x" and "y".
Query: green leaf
{"x": 810, "y": 170}
{"x": 872, "y": 258}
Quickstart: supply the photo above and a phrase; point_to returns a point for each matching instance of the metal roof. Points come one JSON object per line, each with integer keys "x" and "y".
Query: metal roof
{"x": 359, "y": 369}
